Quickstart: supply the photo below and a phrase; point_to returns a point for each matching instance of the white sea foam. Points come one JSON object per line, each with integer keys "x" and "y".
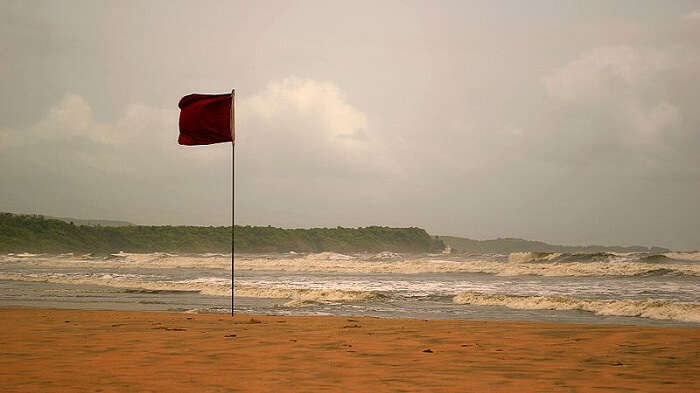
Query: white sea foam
{"x": 302, "y": 294}
{"x": 384, "y": 256}
{"x": 649, "y": 308}
{"x": 329, "y": 256}
{"x": 301, "y": 297}
{"x": 212, "y": 286}
{"x": 599, "y": 268}
{"x": 685, "y": 256}
{"x": 520, "y": 257}
{"x": 23, "y": 255}
{"x": 124, "y": 281}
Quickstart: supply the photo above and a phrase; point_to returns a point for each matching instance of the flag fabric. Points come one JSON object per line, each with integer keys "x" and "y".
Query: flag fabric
{"x": 206, "y": 119}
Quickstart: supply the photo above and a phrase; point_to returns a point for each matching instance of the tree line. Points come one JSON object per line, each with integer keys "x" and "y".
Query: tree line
{"x": 38, "y": 234}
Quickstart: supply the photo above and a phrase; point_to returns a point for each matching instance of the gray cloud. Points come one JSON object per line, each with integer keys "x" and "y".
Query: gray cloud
{"x": 566, "y": 124}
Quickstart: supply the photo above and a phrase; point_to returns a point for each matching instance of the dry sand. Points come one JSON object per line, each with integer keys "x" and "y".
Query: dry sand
{"x": 109, "y": 351}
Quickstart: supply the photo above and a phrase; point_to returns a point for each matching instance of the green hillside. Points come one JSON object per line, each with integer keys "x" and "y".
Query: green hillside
{"x": 374, "y": 239}
{"x": 508, "y": 245}
{"x": 38, "y": 234}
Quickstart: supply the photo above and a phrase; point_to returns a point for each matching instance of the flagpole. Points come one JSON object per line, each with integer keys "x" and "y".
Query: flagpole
{"x": 233, "y": 182}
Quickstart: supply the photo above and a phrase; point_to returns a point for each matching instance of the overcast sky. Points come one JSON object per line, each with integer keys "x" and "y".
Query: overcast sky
{"x": 568, "y": 122}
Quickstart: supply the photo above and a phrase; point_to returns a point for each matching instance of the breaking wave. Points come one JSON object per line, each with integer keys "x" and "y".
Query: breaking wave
{"x": 600, "y": 268}
{"x": 655, "y": 258}
{"x": 329, "y": 256}
{"x": 302, "y": 297}
{"x": 384, "y": 256}
{"x": 206, "y": 286}
{"x": 523, "y": 257}
{"x": 684, "y": 256}
{"x": 649, "y": 308}
{"x": 134, "y": 283}
{"x": 659, "y": 273}
{"x": 23, "y": 255}
{"x": 518, "y": 264}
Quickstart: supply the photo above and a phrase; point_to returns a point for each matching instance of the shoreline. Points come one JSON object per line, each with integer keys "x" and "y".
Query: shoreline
{"x": 55, "y": 350}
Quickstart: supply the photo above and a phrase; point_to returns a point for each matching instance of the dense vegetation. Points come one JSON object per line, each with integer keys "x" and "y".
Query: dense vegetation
{"x": 32, "y": 233}
{"x": 508, "y": 245}
{"x": 338, "y": 239}
{"x": 38, "y": 234}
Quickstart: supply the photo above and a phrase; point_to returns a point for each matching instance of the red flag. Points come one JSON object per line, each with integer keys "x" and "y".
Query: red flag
{"x": 206, "y": 119}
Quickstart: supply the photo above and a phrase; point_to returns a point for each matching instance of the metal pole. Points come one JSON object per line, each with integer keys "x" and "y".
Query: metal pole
{"x": 233, "y": 225}
{"x": 233, "y": 182}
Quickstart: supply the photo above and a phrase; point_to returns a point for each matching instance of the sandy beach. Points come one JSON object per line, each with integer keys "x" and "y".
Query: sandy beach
{"x": 108, "y": 351}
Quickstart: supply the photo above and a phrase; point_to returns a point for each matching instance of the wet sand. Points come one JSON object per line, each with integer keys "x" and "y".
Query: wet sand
{"x": 110, "y": 351}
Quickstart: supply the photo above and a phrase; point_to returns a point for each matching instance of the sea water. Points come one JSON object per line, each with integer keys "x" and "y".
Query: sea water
{"x": 629, "y": 288}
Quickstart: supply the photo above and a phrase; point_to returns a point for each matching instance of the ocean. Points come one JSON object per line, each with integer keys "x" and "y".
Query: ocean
{"x": 611, "y": 288}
